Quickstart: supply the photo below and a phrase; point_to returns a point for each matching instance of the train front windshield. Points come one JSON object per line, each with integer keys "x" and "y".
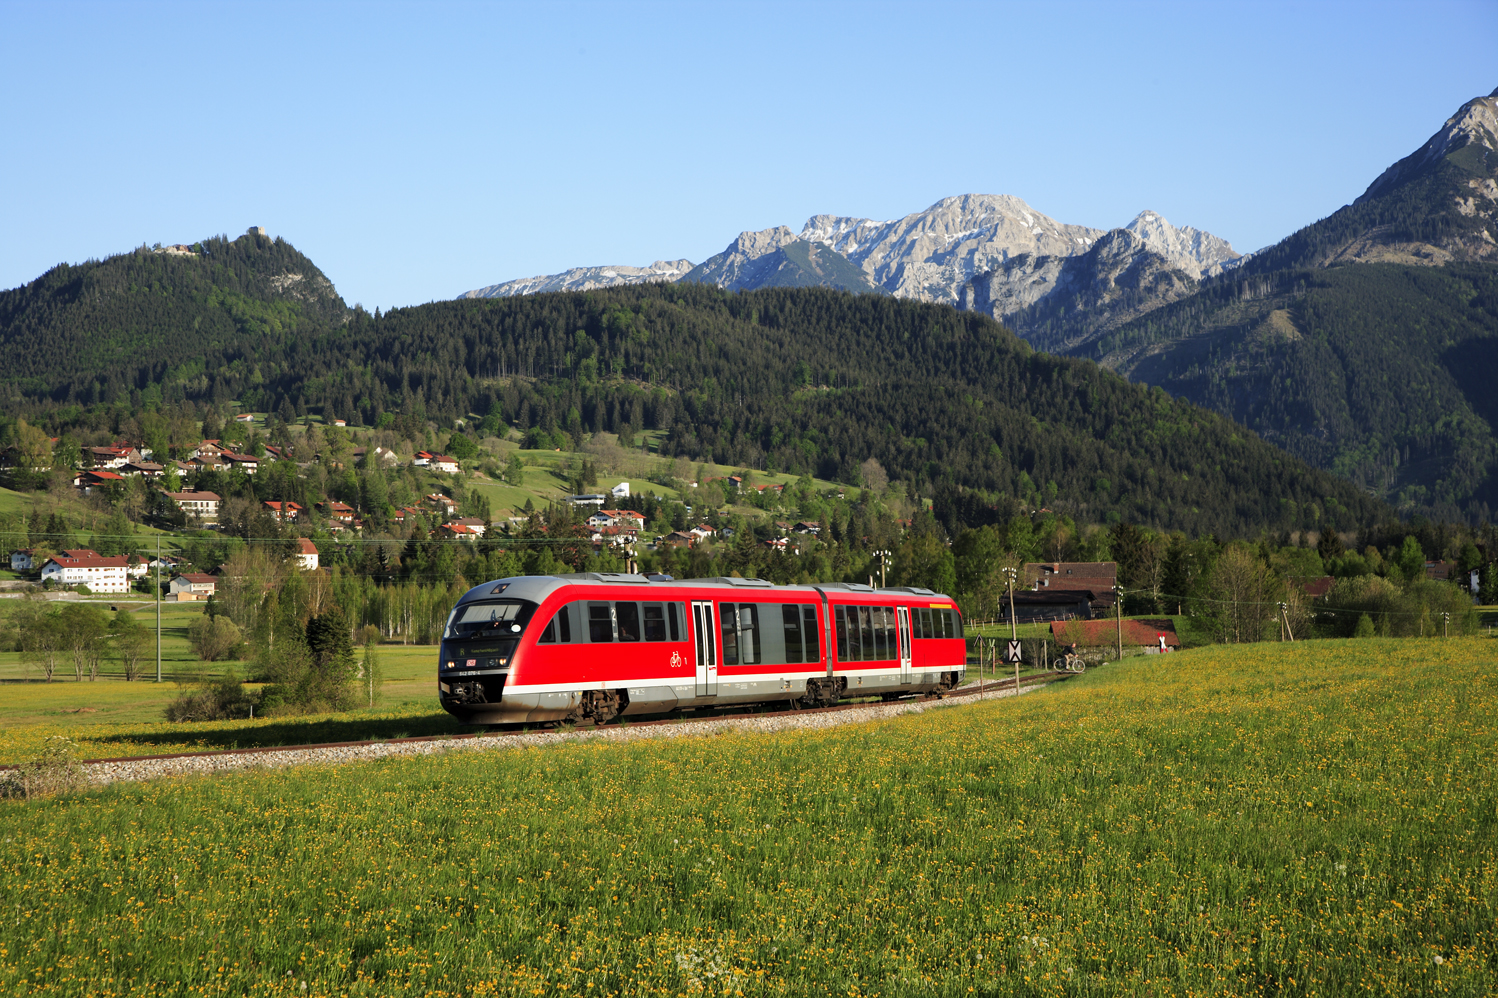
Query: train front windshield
{"x": 484, "y": 635}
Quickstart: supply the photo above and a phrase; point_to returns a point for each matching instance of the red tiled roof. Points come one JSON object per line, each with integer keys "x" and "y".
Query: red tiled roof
{"x": 86, "y": 559}
{"x": 1098, "y": 633}
{"x": 199, "y": 578}
{"x": 1313, "y": 586}
{"x": 307, "y": 547}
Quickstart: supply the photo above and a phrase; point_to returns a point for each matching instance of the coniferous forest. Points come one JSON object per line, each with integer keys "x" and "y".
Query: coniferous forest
{"x": 786, "y": 379}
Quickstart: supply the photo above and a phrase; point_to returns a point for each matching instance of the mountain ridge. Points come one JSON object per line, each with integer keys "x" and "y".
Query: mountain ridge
{"x": 927, "y": 255}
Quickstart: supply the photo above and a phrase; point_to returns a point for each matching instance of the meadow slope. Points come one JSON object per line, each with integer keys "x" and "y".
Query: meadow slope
{"x": 1287, "y": 819}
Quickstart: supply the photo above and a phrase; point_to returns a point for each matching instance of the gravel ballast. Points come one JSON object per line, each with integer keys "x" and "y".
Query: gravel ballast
{"x": 111, "y": 771}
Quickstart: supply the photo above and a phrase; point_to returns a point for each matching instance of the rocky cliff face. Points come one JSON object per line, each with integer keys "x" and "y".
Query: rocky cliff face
{"x": 1059, "y": 302}
{"x": 1475, "y": 124}
{"x": 1198, "y": 253}
{"x": 929, "y": 255}
{"x": 585, "y": 279}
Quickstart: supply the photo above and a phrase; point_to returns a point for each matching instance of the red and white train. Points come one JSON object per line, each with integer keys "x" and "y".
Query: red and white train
{"x": 596, "y": 645}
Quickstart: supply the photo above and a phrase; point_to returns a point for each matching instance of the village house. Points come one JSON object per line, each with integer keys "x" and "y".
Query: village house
{"x": 246, "y": 462}
{"x": 422, "y": 459}
{"x": 245, "y": 417}
{"x": 1032, "y": 606}
{"x": 677, "y": 539}
{"x": 617, "y": 535}
{"x": 702, "y": 532}
{"x": 807, "y": 527}
{"x": 457, "y": 531}
{"x": 21, "y": 561}
{"x": 203, "y": 505}
{"x": 341, "y": 512}
{"x": 1097, "y": 578}
{"x": 306, "y": 556}
{"x": 473, "y": 523}
{"x": 408, "y": 513}
{"x": 87, "y": 568}
{"x": 113, "y": 456}
{"x": 446, "y": 504}
{"x": 90, "y": 480}
{"x": 191, "y": 586}
{"x": 145, "y": 469}
{"x": 616, "y": 517}
{"x": 283, "y": 512}
{"x": 340, "y": 422}
{"x": 443, "y": 463}
{"x": 1151, "y": 635}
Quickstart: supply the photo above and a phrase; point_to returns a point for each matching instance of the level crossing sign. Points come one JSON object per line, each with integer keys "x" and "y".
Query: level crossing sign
{"x": 1012, "y": 653}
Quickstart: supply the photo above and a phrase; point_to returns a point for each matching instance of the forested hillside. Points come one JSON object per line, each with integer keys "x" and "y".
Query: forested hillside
{"x": 185, "y": 323}
{"x": 785, "y": 379}
{"x": 1384, "y": 373}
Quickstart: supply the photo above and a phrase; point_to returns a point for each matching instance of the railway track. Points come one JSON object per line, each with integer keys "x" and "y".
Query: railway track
{"x": 683, "y": 723}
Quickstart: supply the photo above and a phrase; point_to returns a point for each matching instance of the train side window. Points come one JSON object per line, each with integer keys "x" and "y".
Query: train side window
{"x": 866, "y": 648}
{"x": 751, "y": 647}
{"x": 627, "y": 616}
{"x": 810, "y": 635}
{"x": 600, "y": 622}
{"x": 790, "y": 617}
{"x": 956, "y": 623}
{"x": 549, "y": 635}
{"x": 946, "y": 622}
{"x": 674, "y": 614}
{"x": 728, "y": 618}
{"x": 840, "y": 628}
{"x": 655, "y": 622}
{"x": 927, "y": 630}
{"x": 891, "y": 649}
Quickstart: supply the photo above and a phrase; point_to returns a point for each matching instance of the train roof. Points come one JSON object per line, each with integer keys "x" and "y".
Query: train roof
{"x": 537, "y": 587}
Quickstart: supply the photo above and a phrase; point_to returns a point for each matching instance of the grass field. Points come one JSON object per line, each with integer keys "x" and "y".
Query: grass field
{"x": 1226, "y": 821}
{"x": 110, "y": 718}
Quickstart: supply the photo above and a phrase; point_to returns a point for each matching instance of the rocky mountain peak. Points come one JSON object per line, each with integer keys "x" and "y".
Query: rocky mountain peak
{"x": 1475, "y": 123}
{"x": 1198, "y": 253}
{"x": 585, "y": 279}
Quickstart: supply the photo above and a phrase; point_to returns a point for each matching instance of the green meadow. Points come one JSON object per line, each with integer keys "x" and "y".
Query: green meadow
{"x": 1270, "y": 819}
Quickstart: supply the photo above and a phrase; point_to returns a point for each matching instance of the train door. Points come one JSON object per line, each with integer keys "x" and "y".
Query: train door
{"x": 903, "y": 624}
{"x": 705, "y": 631}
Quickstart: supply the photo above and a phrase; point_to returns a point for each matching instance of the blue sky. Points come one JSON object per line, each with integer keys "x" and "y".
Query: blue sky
{"x": 414, "y": 151}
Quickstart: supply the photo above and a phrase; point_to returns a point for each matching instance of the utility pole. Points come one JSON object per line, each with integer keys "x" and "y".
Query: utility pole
{"x": 1012, "y": 573}
{"x": 1285, "y": 628}
{"x": 883, "y": 557}
{"x": 1446, "y": 624}
{"x": 1118, "y": 602}
{"x": 158, "y": 608}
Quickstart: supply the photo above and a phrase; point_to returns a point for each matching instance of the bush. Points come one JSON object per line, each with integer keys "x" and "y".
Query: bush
{"x": 1393, "y": 612}
{"x": 222, "y": 700}
{"x": 55, "y": 769}
{"x": 215, "y": 639}
{"x": 1364, "y": 628}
